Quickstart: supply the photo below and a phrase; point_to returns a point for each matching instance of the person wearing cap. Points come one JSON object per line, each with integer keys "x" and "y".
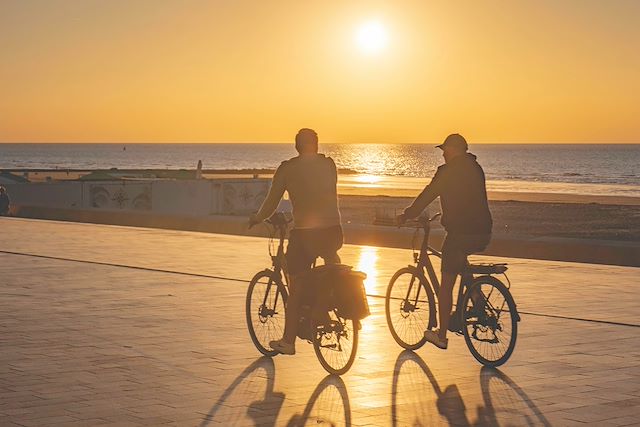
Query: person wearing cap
{"x": 460, "y": 184}
{"x": 311, "y": 180}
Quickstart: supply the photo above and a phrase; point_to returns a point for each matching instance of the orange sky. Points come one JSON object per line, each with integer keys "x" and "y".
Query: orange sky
{"x": 208, "y": 71}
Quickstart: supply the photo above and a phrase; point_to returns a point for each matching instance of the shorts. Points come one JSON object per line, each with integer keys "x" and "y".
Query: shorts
{"x": 305, "y": 245}
{"x": 457, "y": 247}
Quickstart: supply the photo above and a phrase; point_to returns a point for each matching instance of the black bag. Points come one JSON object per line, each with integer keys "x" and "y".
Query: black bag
{"x": 338, "y": 286}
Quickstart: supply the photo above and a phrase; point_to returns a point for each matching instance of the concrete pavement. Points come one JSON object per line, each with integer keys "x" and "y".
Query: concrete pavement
{"x": 88, "y": 340}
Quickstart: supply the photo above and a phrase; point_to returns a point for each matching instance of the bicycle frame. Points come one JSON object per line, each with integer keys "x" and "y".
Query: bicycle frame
{"x": 423, "y": 264}
{"x": 278, "y": 261}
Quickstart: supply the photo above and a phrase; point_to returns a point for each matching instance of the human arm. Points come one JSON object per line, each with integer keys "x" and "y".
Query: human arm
{"x": 428, "y": 195}
{"x": 270, "y": 204}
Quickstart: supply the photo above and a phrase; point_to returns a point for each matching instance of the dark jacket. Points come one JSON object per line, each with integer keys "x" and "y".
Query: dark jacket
{"x": 463, "y": 196}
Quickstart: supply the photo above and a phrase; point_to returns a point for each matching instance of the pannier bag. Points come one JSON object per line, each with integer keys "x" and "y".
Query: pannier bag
{"x": 339, "y": 286}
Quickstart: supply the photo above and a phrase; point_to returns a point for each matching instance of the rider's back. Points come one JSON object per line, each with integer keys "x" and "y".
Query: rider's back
{"x": 311, "y": 180}
{"x": 463, "y": 196}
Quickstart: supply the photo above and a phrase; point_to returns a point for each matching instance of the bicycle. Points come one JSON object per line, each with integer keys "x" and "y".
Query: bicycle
{"x": 485, "y": 312}
{"x": 334, "y": 339}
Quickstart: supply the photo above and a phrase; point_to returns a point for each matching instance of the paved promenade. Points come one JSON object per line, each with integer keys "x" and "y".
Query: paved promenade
{"x": 86, "y": 340}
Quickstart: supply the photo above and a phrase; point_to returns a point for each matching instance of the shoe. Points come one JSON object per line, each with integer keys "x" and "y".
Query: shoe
{"x": 283, "y": 347}
{"x": 433, "y": 338}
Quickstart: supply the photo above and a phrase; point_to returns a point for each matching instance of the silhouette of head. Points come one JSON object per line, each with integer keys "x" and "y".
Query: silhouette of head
{"x": 307, "y": 141}
{"x": 2, "y": 189}
{"x": 453, "y": 146}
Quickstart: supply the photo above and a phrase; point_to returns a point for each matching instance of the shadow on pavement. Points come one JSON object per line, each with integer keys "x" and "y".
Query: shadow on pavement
{"x": 255, "y": 385}
{"x": 504, "y": 402}
{"x": 328, "y": 404}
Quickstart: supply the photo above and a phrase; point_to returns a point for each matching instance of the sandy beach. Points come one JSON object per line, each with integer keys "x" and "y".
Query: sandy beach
{"x": 530, "y": 218}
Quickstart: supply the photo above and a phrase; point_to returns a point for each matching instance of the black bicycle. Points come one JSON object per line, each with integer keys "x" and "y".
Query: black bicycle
{"x": 334, "y": 339}
{"x": 485, "y": 311}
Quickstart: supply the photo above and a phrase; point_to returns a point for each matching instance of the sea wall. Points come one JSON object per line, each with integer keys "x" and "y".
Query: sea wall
{"x": 190, "y": 198}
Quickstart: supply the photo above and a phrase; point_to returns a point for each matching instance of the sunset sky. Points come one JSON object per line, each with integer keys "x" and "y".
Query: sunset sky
{"x": 356, "y": 71}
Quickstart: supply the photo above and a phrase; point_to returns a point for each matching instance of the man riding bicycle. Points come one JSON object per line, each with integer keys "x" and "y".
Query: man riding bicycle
{"x": 311, "y": 181}
{"x": 460, "y": 184}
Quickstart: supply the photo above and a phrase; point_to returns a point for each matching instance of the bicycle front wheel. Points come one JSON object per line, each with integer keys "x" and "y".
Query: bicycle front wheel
{"x": 265, "y": 310}
{"x": 409, "y": 307}
{"x": 335, "y": 342}
{"x": 490, "y": 321}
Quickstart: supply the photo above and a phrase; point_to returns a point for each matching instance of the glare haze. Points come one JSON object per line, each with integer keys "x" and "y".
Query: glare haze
{"x": 255, "y": 71}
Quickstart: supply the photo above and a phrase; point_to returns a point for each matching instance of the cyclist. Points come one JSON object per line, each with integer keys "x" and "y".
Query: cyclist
{"x": 460, "y": 184}
{"x": 311, "y": 181}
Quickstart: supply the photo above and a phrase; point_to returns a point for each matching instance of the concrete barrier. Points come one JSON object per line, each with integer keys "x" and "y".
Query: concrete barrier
{"x": 186, "y": 197}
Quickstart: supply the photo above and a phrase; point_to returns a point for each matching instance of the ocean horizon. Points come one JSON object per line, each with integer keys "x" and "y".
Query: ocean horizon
{"x": 598, "y": 169}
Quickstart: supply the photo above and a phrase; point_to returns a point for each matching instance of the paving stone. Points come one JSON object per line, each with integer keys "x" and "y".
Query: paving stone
{"x": 87, "y": 344}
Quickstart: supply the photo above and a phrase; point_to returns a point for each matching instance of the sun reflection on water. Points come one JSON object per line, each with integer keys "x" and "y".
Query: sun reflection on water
{"x": 367, "y": 179}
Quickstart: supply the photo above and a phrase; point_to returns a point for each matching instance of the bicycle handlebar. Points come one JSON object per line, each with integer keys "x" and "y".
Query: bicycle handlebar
{"x": 279, "y": 219}
{"x": 421, "y": 221}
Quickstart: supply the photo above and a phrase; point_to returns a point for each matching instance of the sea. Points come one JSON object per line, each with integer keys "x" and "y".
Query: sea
{"x": 589, "y": 169}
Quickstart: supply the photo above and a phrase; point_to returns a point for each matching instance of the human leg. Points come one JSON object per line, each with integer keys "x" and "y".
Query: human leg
{"x": 294, "y": 303}
{"x": 445, "y": 302}
{"x": 453, "y": 259}
{"x": 298, "y": 262}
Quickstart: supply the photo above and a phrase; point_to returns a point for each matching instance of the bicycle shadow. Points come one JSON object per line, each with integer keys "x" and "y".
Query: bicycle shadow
{"x": 513, "y": 407}
{"x": 263, "y": 409}
{"x": 327, "y": 405}
{"x": 504, "y": 402}
{"x": 322, "y": 408}
{"x": 414, "y": 408}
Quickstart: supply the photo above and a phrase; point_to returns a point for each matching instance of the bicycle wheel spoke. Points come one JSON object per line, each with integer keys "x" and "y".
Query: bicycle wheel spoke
{"x": 408, "y": 309}
{"x": 265, "y": 312}
{"x": 490, "y": 332}
{"x": 335, "y": 344}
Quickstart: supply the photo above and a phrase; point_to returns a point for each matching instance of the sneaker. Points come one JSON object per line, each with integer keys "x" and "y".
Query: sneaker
{"x": 283, "y": 347}
{"x": 433, "y": 338}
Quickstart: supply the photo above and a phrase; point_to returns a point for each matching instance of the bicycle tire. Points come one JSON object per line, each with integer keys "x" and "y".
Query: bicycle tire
{"x": 323, "y": 351}
{"x": 253, "y": 305}
{"x": 503, "y": 352}
{"x": 410, "y": 337}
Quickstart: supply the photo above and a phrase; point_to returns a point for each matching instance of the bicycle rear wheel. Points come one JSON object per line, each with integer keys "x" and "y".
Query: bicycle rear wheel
{"x": 336, "y": 343}
{"x": 490, "y": 321}
{"x": 265, "y": 311}
{"x": 409, "y": 307}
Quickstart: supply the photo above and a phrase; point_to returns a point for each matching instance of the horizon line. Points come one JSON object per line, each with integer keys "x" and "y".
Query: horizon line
{"x": 329, "y": 142}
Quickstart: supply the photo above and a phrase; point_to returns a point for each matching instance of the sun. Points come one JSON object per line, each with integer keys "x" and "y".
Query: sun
{"x": 372, "y": 37}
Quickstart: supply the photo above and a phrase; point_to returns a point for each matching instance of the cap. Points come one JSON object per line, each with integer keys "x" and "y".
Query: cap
{"x": 455, "y": 140}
